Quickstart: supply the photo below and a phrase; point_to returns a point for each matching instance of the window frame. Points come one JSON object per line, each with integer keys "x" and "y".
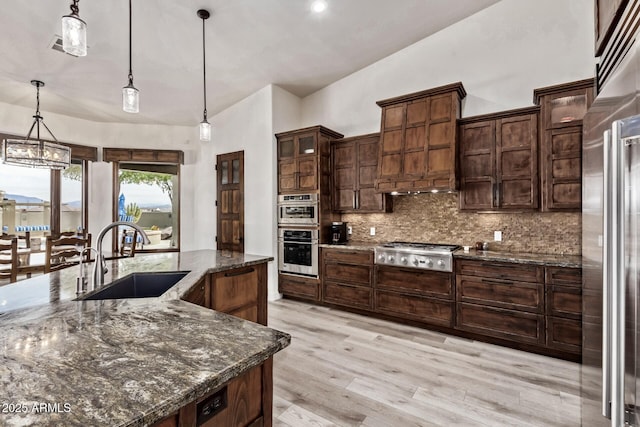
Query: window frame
{"x": 132, "y": 155}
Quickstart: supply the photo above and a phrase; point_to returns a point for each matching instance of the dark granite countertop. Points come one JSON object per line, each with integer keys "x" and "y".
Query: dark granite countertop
{"x": 550, "y": 260}
{"x": 123, "y": 362}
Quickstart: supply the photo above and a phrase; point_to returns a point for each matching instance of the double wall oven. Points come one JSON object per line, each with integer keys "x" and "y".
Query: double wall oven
{"x": 298, "y": 229}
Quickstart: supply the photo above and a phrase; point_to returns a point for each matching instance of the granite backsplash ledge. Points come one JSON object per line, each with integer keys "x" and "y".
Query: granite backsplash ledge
{"x": 435, "y": 218}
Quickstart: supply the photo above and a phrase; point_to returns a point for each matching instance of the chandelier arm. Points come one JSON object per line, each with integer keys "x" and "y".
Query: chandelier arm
{"x": 31, "y": 129}
{"x": 50, "y": 133}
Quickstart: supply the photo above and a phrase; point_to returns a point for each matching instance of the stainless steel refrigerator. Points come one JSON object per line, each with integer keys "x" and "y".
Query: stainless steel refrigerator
{"x": 610, "y": 238}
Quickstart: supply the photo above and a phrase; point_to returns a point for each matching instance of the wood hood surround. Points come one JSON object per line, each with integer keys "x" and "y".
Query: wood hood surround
{"x": 418, "y": 134}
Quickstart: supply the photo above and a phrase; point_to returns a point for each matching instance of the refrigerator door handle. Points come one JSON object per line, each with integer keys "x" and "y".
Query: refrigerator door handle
{"x": 606, "y": 279}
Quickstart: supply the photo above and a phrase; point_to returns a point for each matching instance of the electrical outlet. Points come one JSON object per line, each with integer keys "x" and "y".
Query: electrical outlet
{"x": 372, "y": 231}
{"x": 497, "y": 236}
{"x": 349, "y": 230}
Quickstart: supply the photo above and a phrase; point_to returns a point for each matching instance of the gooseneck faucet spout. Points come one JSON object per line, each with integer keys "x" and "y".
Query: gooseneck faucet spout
{"x": 100, "y": 267}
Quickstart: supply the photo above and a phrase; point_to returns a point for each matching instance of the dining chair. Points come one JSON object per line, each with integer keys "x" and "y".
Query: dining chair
{"x": 128, "y": 243}
{"x": 64, "y": 251}
{"x": 8, "y": 260}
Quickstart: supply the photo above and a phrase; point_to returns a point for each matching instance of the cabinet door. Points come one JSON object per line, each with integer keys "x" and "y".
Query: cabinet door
{"x": 440, "y": 127}
{"x": 391, "y": 140}
{"x": 517, "y": 162}
{"x": 477, "y": 165}
{"x": 301, "y": 287}
{"x": 307, "y": 145}
{"x": 562, "y": 169}
{"x": 307, "y": 169}
{"x": 367, "y": 199}
{"x": 344, "y": 176}
{"x": 235, "y": 289}
{"x": 287, "y": 176}
{"x": 414, "y": 156}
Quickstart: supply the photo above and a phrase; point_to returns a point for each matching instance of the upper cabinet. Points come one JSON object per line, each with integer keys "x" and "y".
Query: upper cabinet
{"x": 498, "y": 161}
{"x": 418, "y": 140}
{"x": 355, "y": 166}
{"x": 562, "y": 108}
{"x": 303, "y": 158}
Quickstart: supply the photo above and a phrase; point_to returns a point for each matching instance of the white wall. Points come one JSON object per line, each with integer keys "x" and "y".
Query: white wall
{"x": 499, "y": 54}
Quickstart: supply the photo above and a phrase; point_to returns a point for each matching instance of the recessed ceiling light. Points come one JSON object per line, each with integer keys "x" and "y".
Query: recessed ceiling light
{"x": 318, "y": 6}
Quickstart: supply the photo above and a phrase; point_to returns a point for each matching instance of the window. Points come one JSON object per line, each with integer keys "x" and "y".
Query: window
{"x": 43, "y": 201}
{"x": 147, "y": 192}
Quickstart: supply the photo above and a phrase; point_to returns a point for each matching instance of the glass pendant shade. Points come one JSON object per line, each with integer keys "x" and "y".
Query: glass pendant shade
{"x": 34, "y": 153}
{"x": 74, "y": 35}
{"x": 205, "y": 130}
{"x": 130, "y": 99}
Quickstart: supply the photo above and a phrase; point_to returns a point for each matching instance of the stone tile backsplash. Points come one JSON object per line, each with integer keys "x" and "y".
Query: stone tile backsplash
{"x": 435, "y": 218}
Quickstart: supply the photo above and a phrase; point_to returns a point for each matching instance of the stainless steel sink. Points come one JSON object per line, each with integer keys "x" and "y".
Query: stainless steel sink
{"x": 138, "y": 285}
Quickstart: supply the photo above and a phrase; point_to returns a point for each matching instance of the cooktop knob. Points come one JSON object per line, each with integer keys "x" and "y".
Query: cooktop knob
{"x": 381, "y": 257}
{"x": 416, "y": 262}
{"x": 391, "y": 258}
{"x": 404, "y": 260}
{"x": 440, "y": 263}
{"x": 429, "y": 262}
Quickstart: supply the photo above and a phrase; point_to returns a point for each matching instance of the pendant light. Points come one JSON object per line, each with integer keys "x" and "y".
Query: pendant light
{"x": 205, "y": 126}
{"x": 130, "y": 95}
{"x": 74, "y": 32}
{"x": 36, "y": 152}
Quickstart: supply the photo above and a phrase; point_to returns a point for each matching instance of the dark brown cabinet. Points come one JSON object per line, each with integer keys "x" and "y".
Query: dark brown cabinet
{"x": 347, "y": 277}
{"x": 562, "y": 108}
{"x": 241, "y": 292}
{"x": 501, "y": 300}
{"x": 424, "y": 296}
{"x": 418, "y": 140}
{"x": 355, "y": 167}
{"x": 303, "y": 158}
{"x": 307, "y": 288}
{"x": 499, "y": 161}
{"x": 564, "y": 308}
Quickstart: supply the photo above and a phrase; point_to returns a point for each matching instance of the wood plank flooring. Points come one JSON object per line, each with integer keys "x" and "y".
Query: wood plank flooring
{"x": 343, "y": 369}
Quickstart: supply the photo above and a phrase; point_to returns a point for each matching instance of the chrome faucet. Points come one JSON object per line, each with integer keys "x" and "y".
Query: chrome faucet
{"x": 81, "y": 282}
{"x": 100, "y": 267}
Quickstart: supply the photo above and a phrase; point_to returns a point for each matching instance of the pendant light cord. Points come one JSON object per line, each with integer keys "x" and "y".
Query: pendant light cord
{"x": 204, "y": 70}
{"x": 130, "y": 68}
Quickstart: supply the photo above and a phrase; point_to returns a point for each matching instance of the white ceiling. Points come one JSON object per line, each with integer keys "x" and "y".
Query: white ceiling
{"x": 250, "y": 44}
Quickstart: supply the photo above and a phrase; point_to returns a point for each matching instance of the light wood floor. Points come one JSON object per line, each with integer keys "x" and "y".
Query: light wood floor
{"x": 343, "y": 369}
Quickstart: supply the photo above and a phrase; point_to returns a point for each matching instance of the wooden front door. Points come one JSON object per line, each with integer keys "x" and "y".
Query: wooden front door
{"x": 230, "y": 201}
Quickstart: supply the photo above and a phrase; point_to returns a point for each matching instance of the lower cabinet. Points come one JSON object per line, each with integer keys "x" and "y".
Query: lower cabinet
{"x": 307, "y": 288}
{"x": 248, "y": 399}
{"x": 564, "y": 309}
{"x": 511, "y": 325}
{"x": 347, "y": 276}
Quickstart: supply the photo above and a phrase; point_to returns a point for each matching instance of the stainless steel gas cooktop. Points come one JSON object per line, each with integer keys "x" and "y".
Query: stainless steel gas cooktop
{"x": 427, "y": 256}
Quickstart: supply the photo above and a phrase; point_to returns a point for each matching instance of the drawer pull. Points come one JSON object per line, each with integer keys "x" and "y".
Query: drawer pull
{"x": 493, "y": 282}
{"x": 239, "y": 273}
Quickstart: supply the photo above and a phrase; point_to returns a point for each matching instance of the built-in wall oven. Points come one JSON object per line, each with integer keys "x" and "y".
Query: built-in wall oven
{"x": 298, "y": 209}
{"x": 298, "y": 251}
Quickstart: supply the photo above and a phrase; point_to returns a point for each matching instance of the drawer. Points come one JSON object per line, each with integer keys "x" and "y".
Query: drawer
{"x": 347, "y": 256}
{"x": 299, "y": 286}
{"x": 564, "y": 301}
{"x": 428, "y": 310}
{"x": 501, "y": 293}
{"x": 564, "y": 334}
{"x": 500, "y": 270}
{"x": 563, "y": 276}
{"x": 348, "y": 273}
{"x": 234, "y": 289}
{"x": 350, "y": 296}
{"x": 501, "y": 323}
{"x": 427, "y": 283}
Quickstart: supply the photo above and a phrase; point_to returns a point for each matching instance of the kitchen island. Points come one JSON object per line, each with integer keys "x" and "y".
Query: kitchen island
{"x": 133, "y": 362}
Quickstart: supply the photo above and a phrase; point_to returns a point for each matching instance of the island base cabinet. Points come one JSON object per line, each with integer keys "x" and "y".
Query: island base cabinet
{"x": 237, "y": 404}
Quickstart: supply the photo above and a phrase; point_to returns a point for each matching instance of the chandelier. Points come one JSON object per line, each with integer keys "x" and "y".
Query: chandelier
{"x": 36, "y": 152}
